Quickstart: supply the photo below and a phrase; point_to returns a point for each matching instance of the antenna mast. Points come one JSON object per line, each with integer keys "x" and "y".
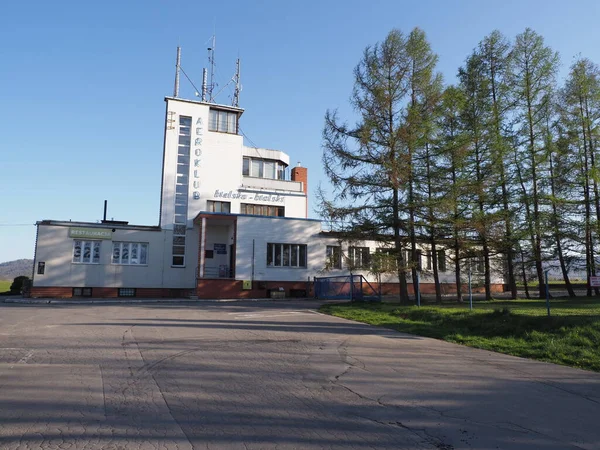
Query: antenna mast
{"x": 177, "y": 66}
{"x": 236, "y": 93}
{"x": 211, "y": 61}
{"x": 203, "y": 84}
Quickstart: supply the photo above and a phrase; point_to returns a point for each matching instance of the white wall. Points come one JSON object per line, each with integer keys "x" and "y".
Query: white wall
{"x": 55, "y": 248}
{"x": 265, "y": 230}
{"x": 219, "y": 173}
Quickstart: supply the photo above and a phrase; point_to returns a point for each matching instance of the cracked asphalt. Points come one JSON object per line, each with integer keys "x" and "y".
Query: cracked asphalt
{"x": 268, "y": 375}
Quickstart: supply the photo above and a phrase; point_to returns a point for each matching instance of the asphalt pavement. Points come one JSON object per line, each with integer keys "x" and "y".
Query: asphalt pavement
{"x": 270, "y": 375}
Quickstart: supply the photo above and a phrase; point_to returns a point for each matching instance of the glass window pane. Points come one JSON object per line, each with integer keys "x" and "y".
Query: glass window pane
{"x": 226, "y": 207}
{"x": 246, "y": 166}
{"x": 87, "y": 252}
{"x": 178, "y": 250}
{"x": 294, "y": 256}
{"x": 143, "y": 253}
{"x": 116, "y": 255}
{"x": 134, "y": 254}
{"x": 96, "y": 253}
{"x": 77, "y": 251}
{"x": 269, "y": 169}
{"x": 183, "y": 160}
{"x": 231, "y": 122}
{"x": 222, "y": 125}
{"x": 257, "y": 168}
{"x": 277, "y": 254}
{"x": 125, "y": 253}
{"x": 212, "y": 120}
{"x": 180, "y": 218}
{"x": 286, "y": 255}
{"x": 302, "y": 262}
{"x": 270, "y": 248}
{"x": 179, "y": 230}
{"x": 178, "y": 260}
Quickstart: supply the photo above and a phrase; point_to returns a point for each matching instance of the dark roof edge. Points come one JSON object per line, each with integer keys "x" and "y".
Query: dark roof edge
{"x": 64, "y": 223}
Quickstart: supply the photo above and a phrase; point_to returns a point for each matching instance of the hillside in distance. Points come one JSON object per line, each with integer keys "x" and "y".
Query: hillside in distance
{"x": 11, "y": 269}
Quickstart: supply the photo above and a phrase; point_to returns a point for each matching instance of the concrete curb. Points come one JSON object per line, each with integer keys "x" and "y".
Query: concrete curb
{"x": 54, "y": 301}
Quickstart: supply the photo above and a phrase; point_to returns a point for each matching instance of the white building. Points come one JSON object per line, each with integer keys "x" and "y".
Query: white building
{"x": 233, "y": 223}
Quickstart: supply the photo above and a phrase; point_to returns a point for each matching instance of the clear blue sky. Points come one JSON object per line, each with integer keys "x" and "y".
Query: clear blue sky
{"x": 82, "y": 85}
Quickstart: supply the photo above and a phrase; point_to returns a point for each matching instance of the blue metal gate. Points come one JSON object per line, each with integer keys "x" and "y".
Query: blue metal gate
{"x": 345, "y": 287}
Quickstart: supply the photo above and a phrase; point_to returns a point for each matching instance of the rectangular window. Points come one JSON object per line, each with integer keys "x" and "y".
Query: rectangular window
{"x": 178, "y": 249}
{"x": 419, "y": 259}
{"x": 269, "y": 169}
{"x": 286, "y": 255}
{"x": 480, "y": 264}
{"x": 130, "y": 253}
{"x": 441, "y": 254}
{"x": 218, "y": 207}
{"x": 82, "y": 292}
{"x": 126, "y": 292}
{"x": 333, "y": 254}
{"x": 86, "y": 252}
{"x": 41, "y": 268}
{"x": 358, "y": 257}
{"x": 185, "y": 126}
{"x": 223, "y": 121}
{"x": 428, "y": 259}
{"x": 262, "y": 210}
{"x": 388, "y": 261}
{"x": 259, "y": 168}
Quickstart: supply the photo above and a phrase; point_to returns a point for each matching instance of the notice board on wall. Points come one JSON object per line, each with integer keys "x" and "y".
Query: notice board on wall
{"x": 220, "y": 249}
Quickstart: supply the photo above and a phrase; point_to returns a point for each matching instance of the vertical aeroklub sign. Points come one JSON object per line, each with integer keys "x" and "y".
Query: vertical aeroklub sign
{"x": 197, "y": 156}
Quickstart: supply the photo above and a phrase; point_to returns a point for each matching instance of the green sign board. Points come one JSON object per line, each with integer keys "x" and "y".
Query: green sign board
{"x": 90, "y": 233}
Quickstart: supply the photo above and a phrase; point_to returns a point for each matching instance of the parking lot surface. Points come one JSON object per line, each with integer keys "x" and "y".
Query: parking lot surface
{"x": 266, "y": 375}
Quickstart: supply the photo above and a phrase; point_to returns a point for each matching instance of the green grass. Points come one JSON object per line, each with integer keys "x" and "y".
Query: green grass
{"x": 4, "y": 286}
{"x": 521, "y": 327}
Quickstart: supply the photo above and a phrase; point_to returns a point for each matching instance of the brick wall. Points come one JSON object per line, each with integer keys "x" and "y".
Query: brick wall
{"x": 301, "y": 174}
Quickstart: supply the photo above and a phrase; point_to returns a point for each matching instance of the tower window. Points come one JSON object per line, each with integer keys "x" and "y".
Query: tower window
{"x": 222, "y": 121}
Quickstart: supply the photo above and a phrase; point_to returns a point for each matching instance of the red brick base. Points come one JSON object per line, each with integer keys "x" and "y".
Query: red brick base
{"x": 227, "y": 288}
{"x": 260, "y": 289}
{"x": 109, "y": 292}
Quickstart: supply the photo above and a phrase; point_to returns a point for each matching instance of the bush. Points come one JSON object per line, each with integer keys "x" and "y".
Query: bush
{"x": 17, "y": 284}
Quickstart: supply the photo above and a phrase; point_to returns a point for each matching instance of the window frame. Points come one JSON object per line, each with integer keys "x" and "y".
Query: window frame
{"x": 212, "y": 204}
{"x": 280, "y": 253}
{"x": 216, "y": 117}
{"x": 124, "y": 292}
{"x": 441, "y": 260}
{"x": 130, "y": 246}
{"x": 94, "y": 244}
{"x": 333, "y": 256}
{"x": 254, "y": 209}
{"x": 364, "y": 254}
{"x": 83, "y": 292}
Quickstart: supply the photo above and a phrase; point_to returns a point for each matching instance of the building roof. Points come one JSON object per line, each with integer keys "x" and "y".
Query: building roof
{"x": 212, "y": 105}
{"x": 108, "y": 224}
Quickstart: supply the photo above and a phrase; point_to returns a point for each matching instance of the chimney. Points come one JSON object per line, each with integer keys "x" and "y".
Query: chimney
{"x": 300, "y": 173}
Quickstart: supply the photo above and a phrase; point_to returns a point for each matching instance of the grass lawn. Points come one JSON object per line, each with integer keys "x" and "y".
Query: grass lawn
{"x": 519, "y": 327}
{"x": 4, "y": 286}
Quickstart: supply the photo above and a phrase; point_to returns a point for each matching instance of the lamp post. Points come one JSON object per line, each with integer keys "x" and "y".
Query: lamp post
{"x": 418, "y": 288}
{"x": 470, "y": 289}
{"x": 547, "y": 292}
